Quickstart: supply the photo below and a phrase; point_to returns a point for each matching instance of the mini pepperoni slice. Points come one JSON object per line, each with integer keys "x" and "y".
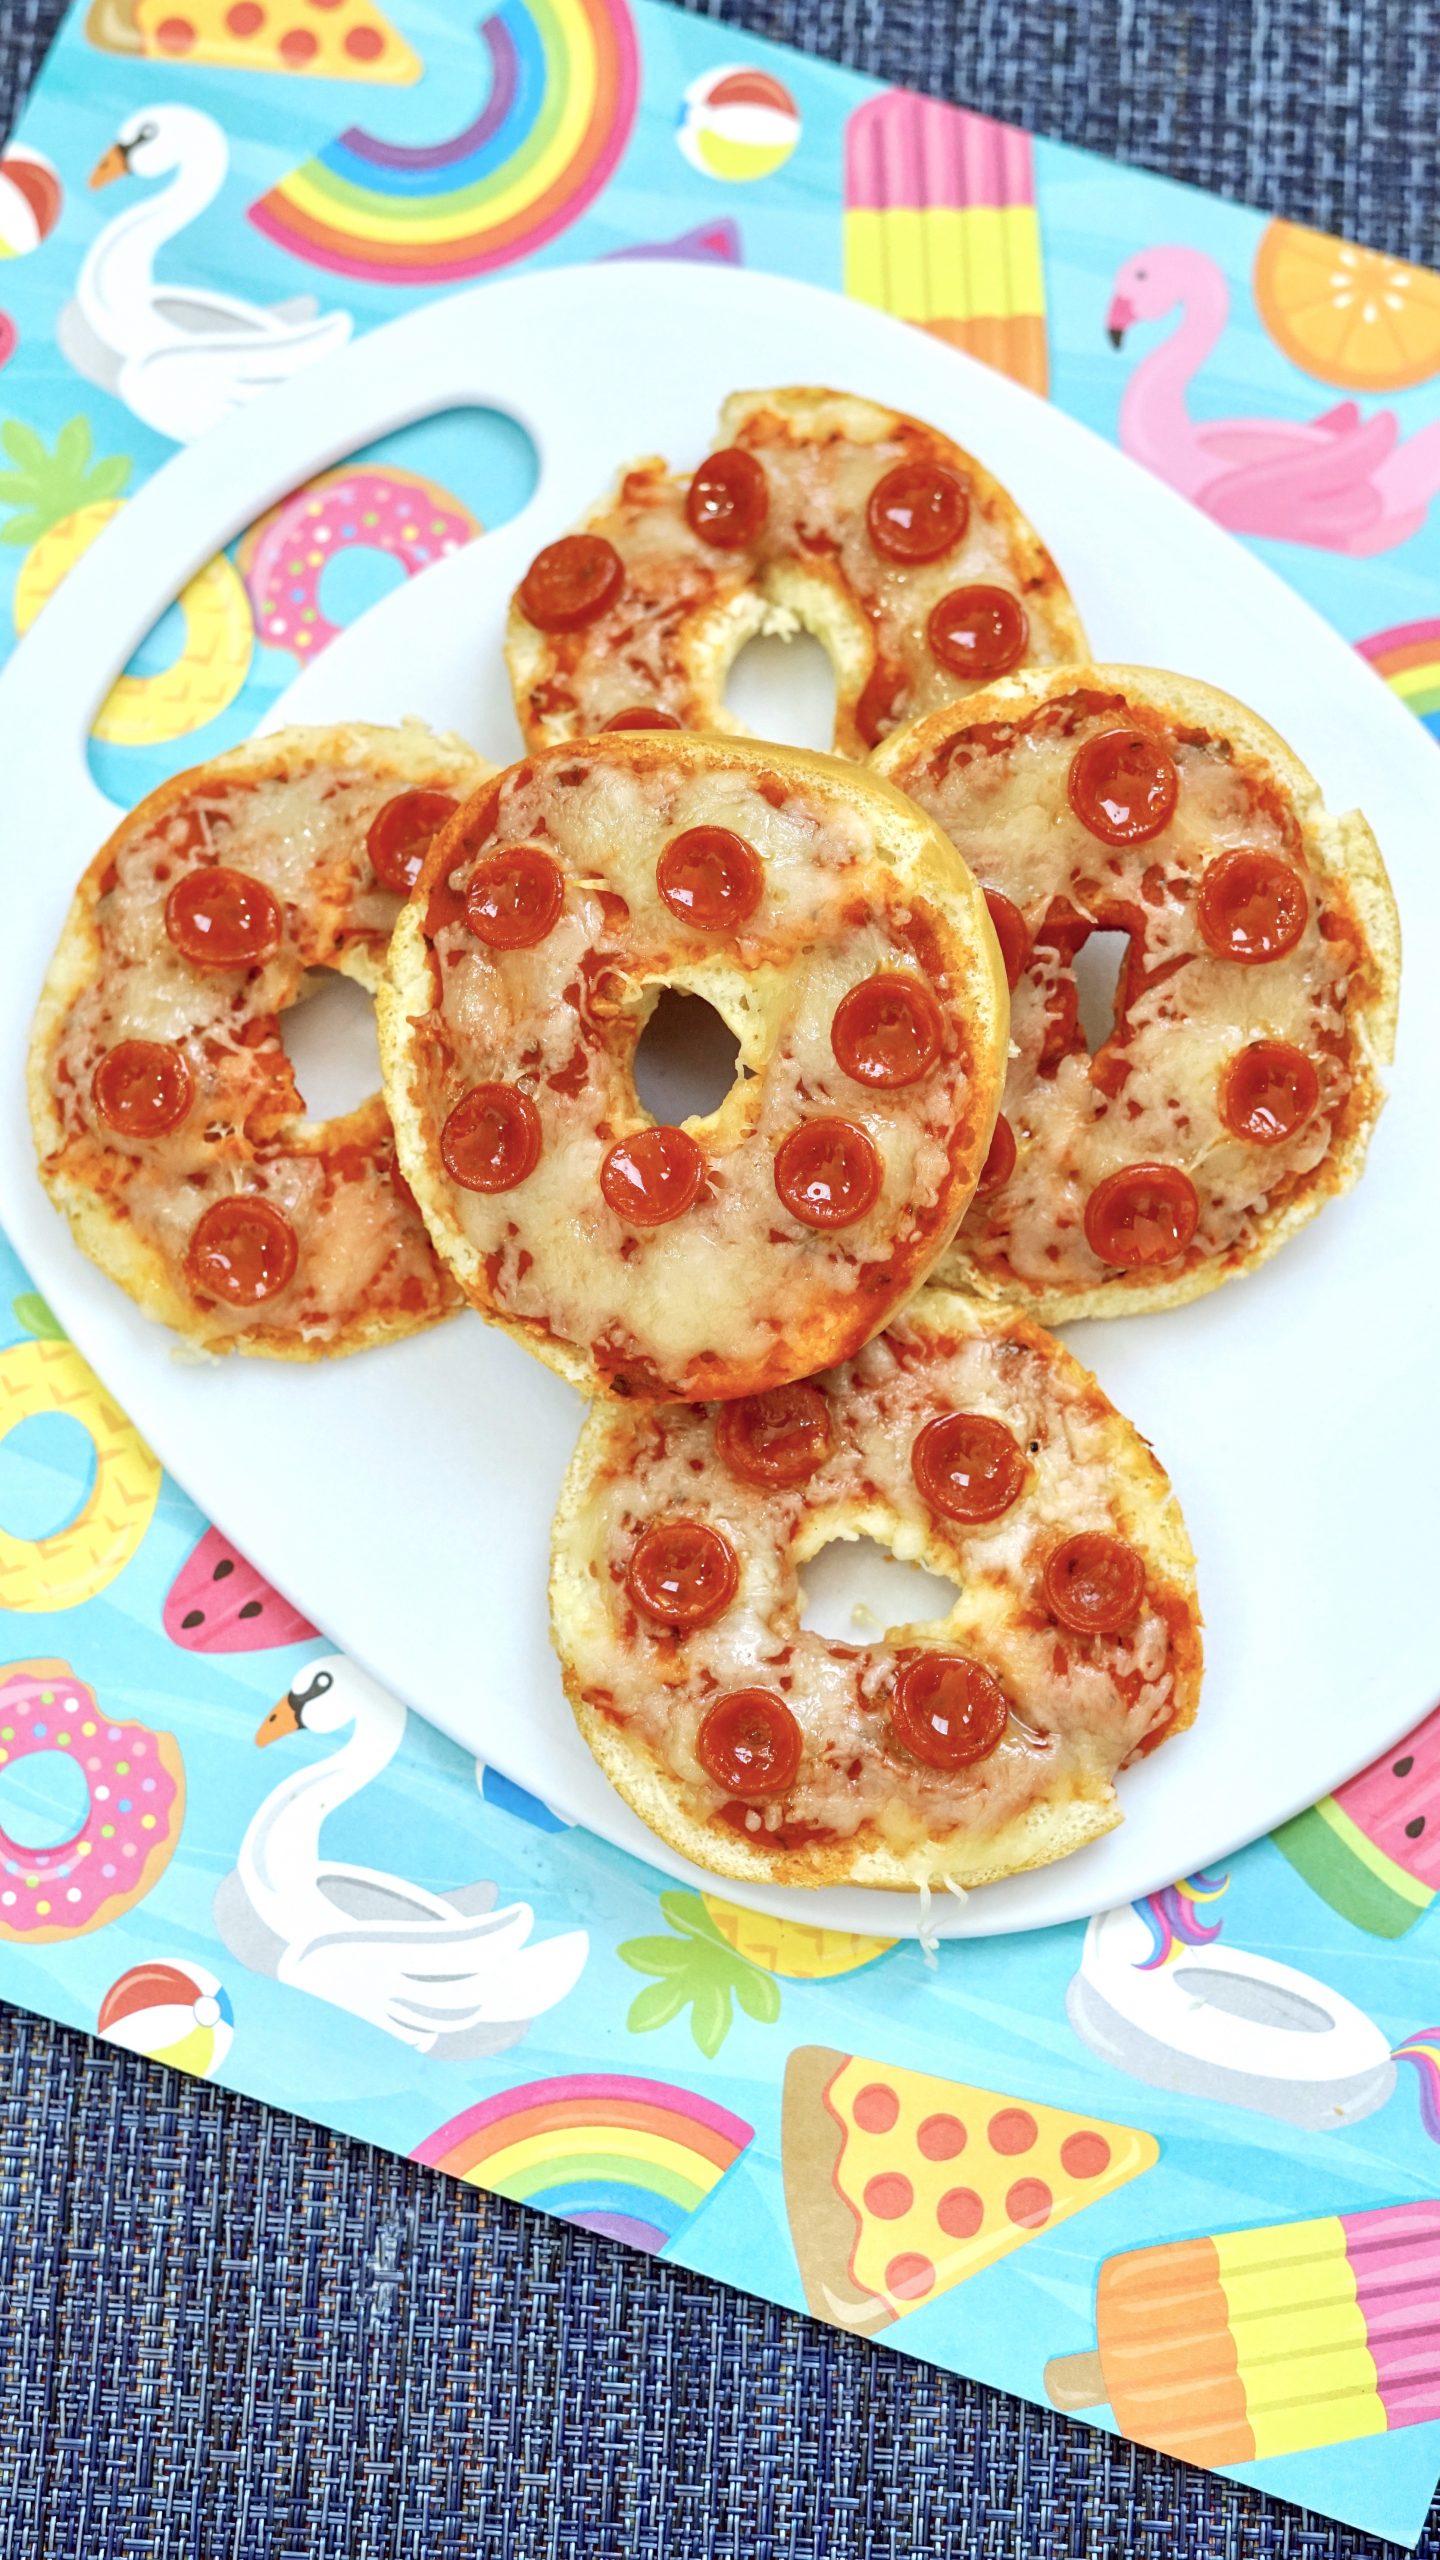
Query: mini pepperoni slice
{"x": 1011, "y": 932}
{"x": 887, "y": 1031}
{"x": 682, "y": 1574}
{"x": 1094, "y": 1584}
{"x": 1252, "y": 907}
{"x": 642, "y": 715}
{"x": 1123, "y": 786}
{"x": 728, "y": 500}
{"x": 1144, "y": 1214}
{"x": 571, "y": 582}
{"x": 222, "y": 919}
{"x": 999, "y": 1163}
{"x": 968, "y": 1466}
{"x": 514, "y": 897}
{"x": 241, "y": 1251}
{"x": 978, "y": 632}
{"x": 711, "y": 878}
{"x": 491, "y": 1140}
{"x": 142, "y": 1088}
{"x": 917, "y": 511}
{"x": 750, "y": 1744}
{"x": 946, "y": 1710}
{"x": 653, "y": 1177}
{"x": 828, "y": 1173}
{"x": 1268, "y": 1092}
{"x": 401, "y": 834}
{"x": 776, "y": 1439}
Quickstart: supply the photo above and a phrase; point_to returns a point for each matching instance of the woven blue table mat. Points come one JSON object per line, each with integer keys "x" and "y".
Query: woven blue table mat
{"x": 226, "y": 2332}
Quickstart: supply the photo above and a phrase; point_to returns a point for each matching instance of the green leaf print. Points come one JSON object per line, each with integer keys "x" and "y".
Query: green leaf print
{"x": 655, "y": 2006}
{"x": 38, "y": 1319}
{"x": 697, "y": 1969}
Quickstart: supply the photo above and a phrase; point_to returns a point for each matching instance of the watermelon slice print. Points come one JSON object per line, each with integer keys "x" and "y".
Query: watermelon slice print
{"x": 218, "y": 1603}
{"x": 1372, "y": 1850}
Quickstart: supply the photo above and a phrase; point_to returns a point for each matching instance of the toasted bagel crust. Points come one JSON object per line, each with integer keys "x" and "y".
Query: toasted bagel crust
{"x": 735, "y": 1294}
{"x": 670, "y": 638}
{"x": 1084, "y": 1705}
{"x": 125, "y": 1202}
{"x": 1352, "y": 1011}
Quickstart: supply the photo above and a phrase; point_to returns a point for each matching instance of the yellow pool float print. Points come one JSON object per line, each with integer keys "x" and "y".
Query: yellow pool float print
{"x": 61, "y": 498}
{"x": 58, "y": 1572}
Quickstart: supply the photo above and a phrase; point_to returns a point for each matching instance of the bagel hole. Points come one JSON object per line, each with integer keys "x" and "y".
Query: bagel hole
{"x": 47, "y": 1475}
{"x": 854, "y": 1591}
{"x": 687, "y": 1059}
{"x": 331, "y": 1044}
{"x": 784, "y": 690}
{"x": 44, "y": 1798}
{"x": 1099, "y": 964}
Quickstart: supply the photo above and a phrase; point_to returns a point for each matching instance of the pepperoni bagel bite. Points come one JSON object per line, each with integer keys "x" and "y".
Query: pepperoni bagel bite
{"x": 1236, "y": 1088}
{"x": 819, "y": 512}
{"x": 832, "y": 928}
{"x": 166, "y": 1115}
{"x": 963, "y": 1439}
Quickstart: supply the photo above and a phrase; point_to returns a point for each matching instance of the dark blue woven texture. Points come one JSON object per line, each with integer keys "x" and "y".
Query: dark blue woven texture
{"x": 225, "y": 2335}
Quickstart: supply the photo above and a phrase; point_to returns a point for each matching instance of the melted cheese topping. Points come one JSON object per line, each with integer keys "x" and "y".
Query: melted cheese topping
{"x": 1080, "y": 1707}
{"x": 686, "y": 604}
{"x": 719, "y": 1299}
{"x": 1151, "y": 1092}
{"x": 364, "y": 1255}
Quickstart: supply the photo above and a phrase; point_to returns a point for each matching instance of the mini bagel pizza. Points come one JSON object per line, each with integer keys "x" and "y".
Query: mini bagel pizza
{"x": 817, "y": 512}
{"x": 831, "y": 927}
{"x": 963, "y": 1439}
{"x": 1237, "y": 1089}
{"x": 166, "y": 1116}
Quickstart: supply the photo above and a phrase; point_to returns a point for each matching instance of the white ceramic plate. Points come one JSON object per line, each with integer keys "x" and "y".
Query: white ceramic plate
{"x": 404, "y": 1499}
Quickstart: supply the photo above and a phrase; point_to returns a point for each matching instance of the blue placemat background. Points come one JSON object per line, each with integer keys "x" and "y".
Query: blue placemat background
{"x": 225, "y": 2332}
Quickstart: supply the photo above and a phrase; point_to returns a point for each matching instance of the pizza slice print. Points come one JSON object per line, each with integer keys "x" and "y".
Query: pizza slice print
{"x": 336, "y": 39}
{"x": 899, "y": 2186}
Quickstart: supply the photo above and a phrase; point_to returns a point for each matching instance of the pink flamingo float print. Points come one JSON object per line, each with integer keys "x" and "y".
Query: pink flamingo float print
{"x": 1338, "y": 482}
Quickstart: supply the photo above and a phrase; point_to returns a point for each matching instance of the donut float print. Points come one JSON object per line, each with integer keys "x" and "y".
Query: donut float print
{"x": 560, "y": 101}
{"x": 134, "y": 1783}
{"x": 368, "y": 507}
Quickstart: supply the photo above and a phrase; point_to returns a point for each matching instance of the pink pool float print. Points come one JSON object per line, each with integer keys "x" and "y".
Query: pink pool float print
{"x": 1337, "y": 482}
{"x": 283, "y": 558}
{"x": 134, "y": 1783}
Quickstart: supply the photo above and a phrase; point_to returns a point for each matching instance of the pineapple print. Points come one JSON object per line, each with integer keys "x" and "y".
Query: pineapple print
{"x": 793, "y": 1947}
{"x": 720, "y": 1953}
{"x": 60, "y": 498}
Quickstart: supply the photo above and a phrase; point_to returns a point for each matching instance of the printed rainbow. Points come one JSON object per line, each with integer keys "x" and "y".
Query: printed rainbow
{"x": 1408, "y": 657}
{"x": 563, "y": 81}
{"x": 632, "y": 2159}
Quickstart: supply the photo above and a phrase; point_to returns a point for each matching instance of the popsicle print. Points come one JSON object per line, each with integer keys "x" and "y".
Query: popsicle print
{"x": 941, "y": 228}
{"x": 1279, "y": 2339}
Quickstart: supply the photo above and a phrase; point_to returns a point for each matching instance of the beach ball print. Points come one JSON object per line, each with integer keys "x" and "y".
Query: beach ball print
{"x": 171, "y": 2012}
{"x": 738, "y": 124}
{"x": 30, "y": 200}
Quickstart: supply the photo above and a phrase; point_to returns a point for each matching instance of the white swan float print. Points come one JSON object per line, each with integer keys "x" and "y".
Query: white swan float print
{"x": 449, "y": 1973}
{"x": 180, "y": 356}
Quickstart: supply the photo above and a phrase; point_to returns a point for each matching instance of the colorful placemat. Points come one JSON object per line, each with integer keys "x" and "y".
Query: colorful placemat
{"x": 1175, "y": 2171}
